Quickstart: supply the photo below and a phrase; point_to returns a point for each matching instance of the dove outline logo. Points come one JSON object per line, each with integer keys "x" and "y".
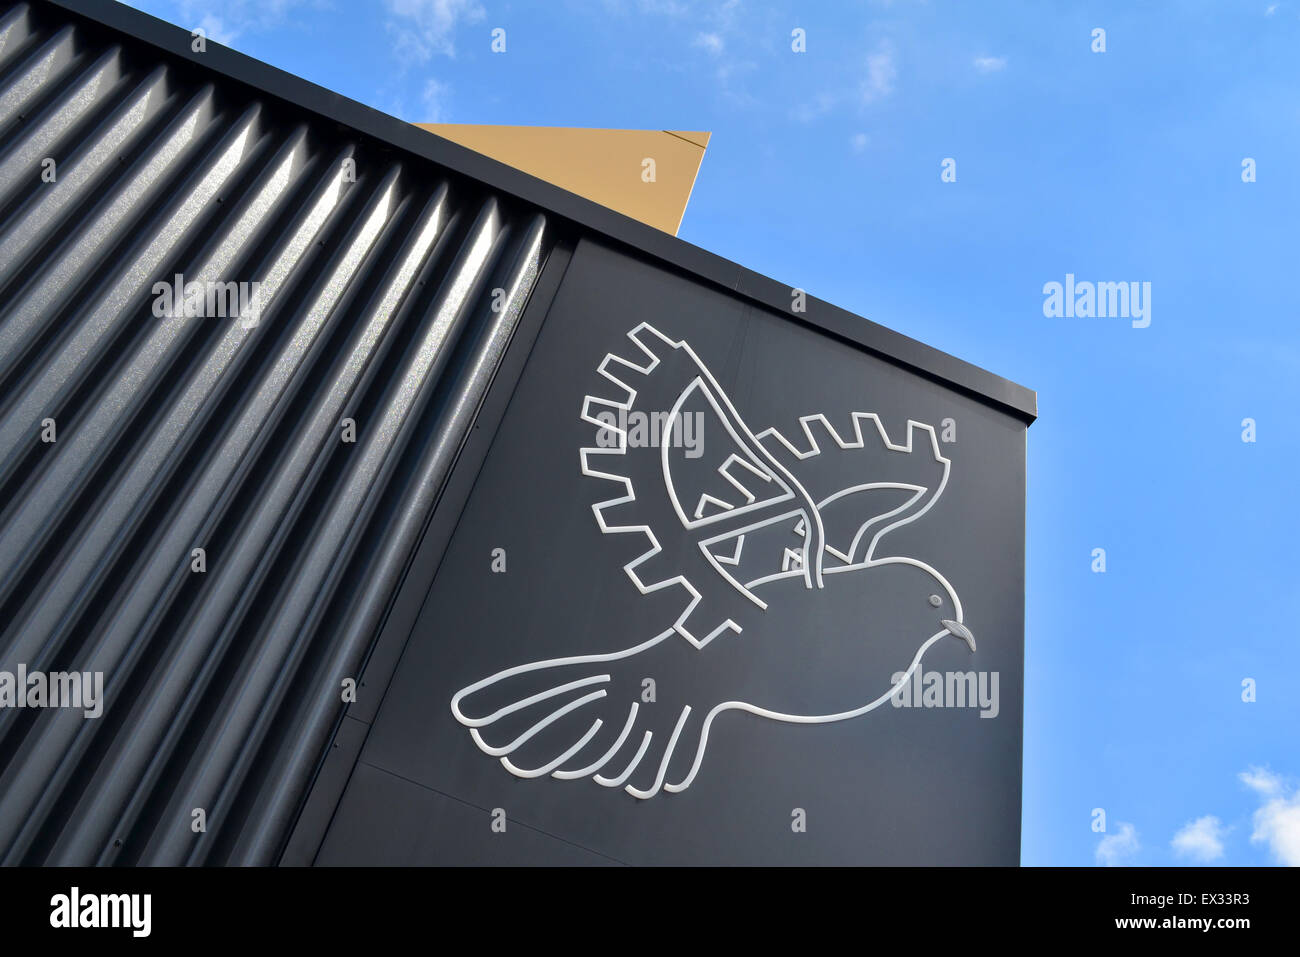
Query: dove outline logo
{"x": 769, "y": 521}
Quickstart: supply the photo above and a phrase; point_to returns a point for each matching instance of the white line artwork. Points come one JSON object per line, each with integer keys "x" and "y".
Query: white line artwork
{"x": 770, "y": 520}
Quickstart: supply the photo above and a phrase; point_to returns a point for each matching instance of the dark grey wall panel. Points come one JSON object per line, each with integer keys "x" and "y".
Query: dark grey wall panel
{"x": 446, "y": 831}
{"x": 894, "y": 785}
{"x": 388, "y": 291}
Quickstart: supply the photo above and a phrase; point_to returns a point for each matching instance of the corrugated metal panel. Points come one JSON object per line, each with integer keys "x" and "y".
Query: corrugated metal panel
{"x": 378, "y": 303}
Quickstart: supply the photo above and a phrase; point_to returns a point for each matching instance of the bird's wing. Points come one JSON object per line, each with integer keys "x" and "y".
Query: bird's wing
{"x": 865, "y": 483}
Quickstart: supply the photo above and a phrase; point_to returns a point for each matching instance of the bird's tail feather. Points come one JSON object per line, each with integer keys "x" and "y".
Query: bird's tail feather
{"x": 573, "y": 718}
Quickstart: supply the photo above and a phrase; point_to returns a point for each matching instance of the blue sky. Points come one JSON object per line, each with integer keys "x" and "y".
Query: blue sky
{"x": 824, "y": 173}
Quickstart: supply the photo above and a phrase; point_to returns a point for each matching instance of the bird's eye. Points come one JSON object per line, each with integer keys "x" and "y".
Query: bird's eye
{"x": 935, "y": 601}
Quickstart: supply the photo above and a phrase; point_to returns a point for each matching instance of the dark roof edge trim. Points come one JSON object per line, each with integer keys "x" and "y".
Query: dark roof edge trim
{"x": 333, "y": 108}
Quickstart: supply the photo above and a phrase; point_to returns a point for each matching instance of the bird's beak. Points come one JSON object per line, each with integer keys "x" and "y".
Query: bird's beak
{"x": 958, "y": 630}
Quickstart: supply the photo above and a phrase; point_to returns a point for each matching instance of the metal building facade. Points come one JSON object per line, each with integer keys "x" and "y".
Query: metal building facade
{"x": 318, "y": 451}
{"x": 376, "y": 277}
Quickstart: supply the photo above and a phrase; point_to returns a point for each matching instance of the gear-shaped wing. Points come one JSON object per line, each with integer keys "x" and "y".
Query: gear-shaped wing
{"x": 900, "y": 480}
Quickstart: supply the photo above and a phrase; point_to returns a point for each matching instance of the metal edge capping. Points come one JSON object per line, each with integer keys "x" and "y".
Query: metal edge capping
{"x": 269, "y": 82}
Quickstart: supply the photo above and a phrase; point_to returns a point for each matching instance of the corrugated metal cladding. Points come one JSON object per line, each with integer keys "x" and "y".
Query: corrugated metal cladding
{"x": 129, "y": 439}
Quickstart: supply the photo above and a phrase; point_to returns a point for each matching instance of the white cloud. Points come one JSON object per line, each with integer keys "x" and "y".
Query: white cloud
{"x": 670, "y": 8}
{"x": 667, "y": 8}
{"x": 710, "y": 42}
{"x": 434, "y": 100}
{"x": 1270, "y": 9}
{"x": 876, "y": 84}
{"x": 1201, "y": 840}
{"x": 1113, "y": 849}
{"x": 1261, "y": 781}
{"x": 990, "y": 64}
{"x": 817, "y": 106}
{"x": 881, "y": 73}
{"x": 422, "y": 28}
{"x": 859, "y": 142}
{"x": 216, "y": 31}
{"x": 1277, "y": 821}
{"x": 237, "y": 16}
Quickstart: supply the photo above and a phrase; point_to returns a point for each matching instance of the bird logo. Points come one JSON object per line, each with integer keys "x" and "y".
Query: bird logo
{"x": 749, "y": 521}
